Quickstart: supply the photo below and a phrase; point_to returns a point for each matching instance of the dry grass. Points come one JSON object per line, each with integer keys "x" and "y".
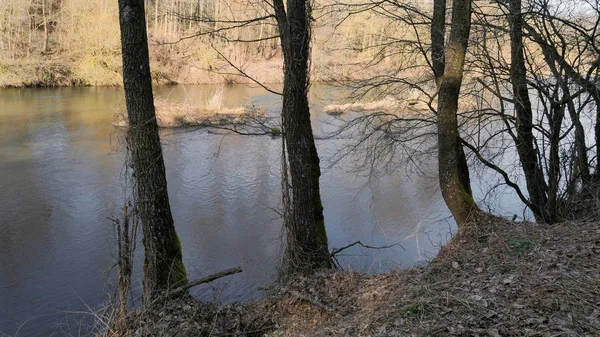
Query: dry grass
{"x": 171, "y": 115}
{"x": 388, "y": 104}
{"x": 187, "y": 316}
{"x": 496, "y": 278}
{"x": 35, "y": 73}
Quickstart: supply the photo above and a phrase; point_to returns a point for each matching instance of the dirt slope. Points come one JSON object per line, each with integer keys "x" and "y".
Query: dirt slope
{"x": 496, "y": 278}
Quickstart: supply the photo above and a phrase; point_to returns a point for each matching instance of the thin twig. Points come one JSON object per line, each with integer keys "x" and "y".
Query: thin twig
{"x": 338, "y": 250}
{"x": 306, "y": 298}
{"x": 206, "y": 279}
{"x": 242, "y": 73}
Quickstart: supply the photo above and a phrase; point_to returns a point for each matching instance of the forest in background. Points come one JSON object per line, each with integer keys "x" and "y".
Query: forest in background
{"x": 69, "y": 42}
{"x": 530, "y": 88}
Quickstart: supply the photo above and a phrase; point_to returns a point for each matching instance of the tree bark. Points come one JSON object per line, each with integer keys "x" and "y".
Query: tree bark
{"x": 581, "y": 158}
{"x": 307, "y": 247}
{"x": 438, "y": 34}
{"x": 46, "y": 31}
{"x": 453, "y": 172}
{"x": 534, "y": 177}
{"x": 551, "y": 209}
{"x": 163, "y": 265}
{"x": 555, "y": 120}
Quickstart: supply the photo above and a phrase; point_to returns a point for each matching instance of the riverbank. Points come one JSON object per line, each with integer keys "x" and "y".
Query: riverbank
{"x": 496, "y": 278}
{"x": 106, "y": 70}
{"x": 52, "y": 72}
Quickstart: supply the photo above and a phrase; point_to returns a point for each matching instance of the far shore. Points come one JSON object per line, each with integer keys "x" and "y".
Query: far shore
{"x": 47, "y": 73}
{"x": 52, "y": 74}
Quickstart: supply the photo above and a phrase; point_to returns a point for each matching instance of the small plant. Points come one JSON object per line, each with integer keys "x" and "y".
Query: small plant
{"x": 503, "y": 268}
{"x": 522, "y": 244}
{"x": 47, "y": 75}
{"x": 414, "y": 310}
{"x": 215, "y": 103}
{"x": 275, "y": 131}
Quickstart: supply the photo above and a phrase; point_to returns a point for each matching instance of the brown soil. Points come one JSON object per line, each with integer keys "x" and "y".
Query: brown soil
{"x": 496, "y": 278}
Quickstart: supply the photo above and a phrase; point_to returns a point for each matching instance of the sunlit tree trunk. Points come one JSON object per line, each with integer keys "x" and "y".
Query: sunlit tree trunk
{"x": 163, "y": 265}
{"x": 453, "y": 171}
{"x": 31, "y": 30}
{"x": 46, "y": 31}
{"x": 307, "y": 247}
{"x": 155, "y": 14}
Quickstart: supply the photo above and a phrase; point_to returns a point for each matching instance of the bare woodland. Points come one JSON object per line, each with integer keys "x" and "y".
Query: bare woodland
{"x": 508, "y": 86}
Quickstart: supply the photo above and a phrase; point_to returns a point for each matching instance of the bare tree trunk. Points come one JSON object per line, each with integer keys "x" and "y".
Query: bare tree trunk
{"x": 31, "y": 29}
{"x": 163, "y": 265}
{"x": 453, "y": 172}
{"x": 46, "y": 32}
{"x": 590, "y": 87}
{"x": 126, "y": 228}
{"x": 581, "y": 160}
{"x": 582, "y": 166}
{"x": 438, "y": 34}
{"x": 557, "y": 116}
{"x": 534, "y": 177}
{"x": 307, "y": 247}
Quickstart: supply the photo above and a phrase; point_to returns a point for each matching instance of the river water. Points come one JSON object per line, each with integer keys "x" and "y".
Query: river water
{"x": 60, "y": 180}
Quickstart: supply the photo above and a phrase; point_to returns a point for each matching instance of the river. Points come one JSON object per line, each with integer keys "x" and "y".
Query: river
{"x": 61, "y": 163}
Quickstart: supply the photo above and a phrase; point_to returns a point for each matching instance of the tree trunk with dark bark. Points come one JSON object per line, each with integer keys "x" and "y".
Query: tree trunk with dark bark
{"x": 163, "y": 265}
{"x": 453, "y": 171}
{"x": 581, "y": 157}
{"x": 534, "y": 177}
{"x": 551, "y": 53}
{"x": 438, "y": 35}
{"x": 551, "y": 209}
{"x": 307, "y": 248}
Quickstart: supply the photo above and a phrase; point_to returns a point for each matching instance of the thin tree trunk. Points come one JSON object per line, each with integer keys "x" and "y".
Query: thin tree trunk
{"x": 31, "y": 29}
{"x": 438, "y": 34}
{"x": 555, "y": 120}
{"x": 163, "y": 265}
{"x": 307, "y": 247}
{"x": 557, "y": 116}
{"x": 581, "y": 161}
{"x": 46, "y": 32}
{"x": 534, "y": 177}
{"x": 550, "y": 52}
{"x": 453, "y": 172}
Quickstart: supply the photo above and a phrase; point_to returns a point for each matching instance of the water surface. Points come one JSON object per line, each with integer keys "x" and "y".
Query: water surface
{"x": 61, "y": 165}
